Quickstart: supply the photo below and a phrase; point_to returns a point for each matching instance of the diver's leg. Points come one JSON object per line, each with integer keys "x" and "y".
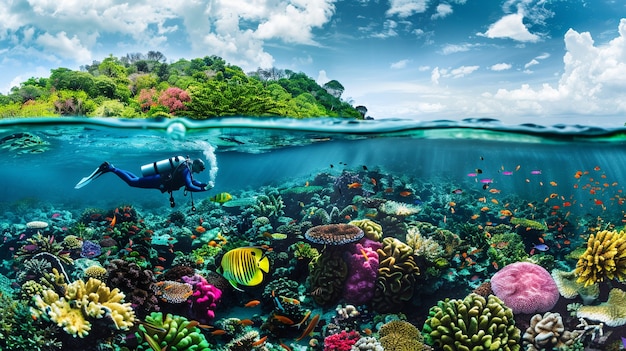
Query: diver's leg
{"x": 151, "y": 182}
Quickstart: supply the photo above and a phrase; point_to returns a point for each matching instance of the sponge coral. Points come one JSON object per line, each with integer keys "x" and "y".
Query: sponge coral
{"x": 83, "y": 302}
{"x": 399, "y": 335}
{"x": 605, "y": 258}
{"x": 547, "y": 332}
{"x": 525, "y": 287}
{"x": 474, "y": 323}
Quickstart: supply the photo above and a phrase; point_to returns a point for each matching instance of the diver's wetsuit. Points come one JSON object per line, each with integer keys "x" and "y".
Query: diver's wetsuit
{"x": 180, "y": 177}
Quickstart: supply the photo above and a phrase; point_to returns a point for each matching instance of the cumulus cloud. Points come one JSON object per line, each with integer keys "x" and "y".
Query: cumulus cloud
{"x": 400, "y": 64}
{"x": 500, "y": 67}
{"x": 443, "y": 10}
{"x": 406, "y": 8}
{"x": 512, "y": 27}
{"x": 64, "y": 46}
{"x": 453, "y": 73}
{"x": 592, "y": 82}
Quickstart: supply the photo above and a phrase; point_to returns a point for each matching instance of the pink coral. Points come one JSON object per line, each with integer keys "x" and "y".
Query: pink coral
{"x": 341, "y": 341}
{"x": 525, "y": 287}
{"x": 362, "y": 270}
{"x": 204, "y": 298}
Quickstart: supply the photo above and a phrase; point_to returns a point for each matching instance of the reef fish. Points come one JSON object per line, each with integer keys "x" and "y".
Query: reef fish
{"x": 244, "y": 266}
{"x": 221, "y": 198}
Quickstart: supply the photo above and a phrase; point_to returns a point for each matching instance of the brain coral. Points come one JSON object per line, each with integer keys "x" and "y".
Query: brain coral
{"x": 327, "y": 275}
{"x": 397, "y": 272}
{"x": 399, "y": 335}
{"x": 474, "y": 323}
{"x": 373, "y": 230}
{"x": 525, "y": 287}
{"x": 605, "y": 258}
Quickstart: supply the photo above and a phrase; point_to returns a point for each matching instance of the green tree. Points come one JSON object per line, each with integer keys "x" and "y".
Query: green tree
{"x": 112, "y": 67}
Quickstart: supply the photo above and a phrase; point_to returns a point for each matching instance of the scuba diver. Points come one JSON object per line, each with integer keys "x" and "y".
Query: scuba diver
{"x": 166, "y": 175}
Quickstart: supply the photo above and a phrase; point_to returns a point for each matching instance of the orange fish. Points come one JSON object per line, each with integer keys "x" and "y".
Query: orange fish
{"x": 484, "y": 209}
{"x": 247, "y": 322}
{"x": 474, "y": 216}
{"x": 389, "y": 190}
{"x": 287, "y": 348}
{"x": 283, "y": 319}
{"x": 309, "y": 328}
{"x": 567, "y": 204}
{"x": 252, "y": 303}
{"x": 506, "y": 213}
{"x": 218, "y": 332}
{"x": 553, "y": 183}
{"x": 494, "y": 201}
{"x": 578, "y": 174}
{"x": 114, "y": 220}
{"x": 494, "y": 191}
{"x": 306, "y": 316}
{"x": 200, "y": 229}
{"x": 405, "y": 193}
{"x": 354, "y": 185}
{"x": 596, "y": 168}
{"x": 598, "y": 202}
{"x": 259, "y": 342}
{"x": 373, "y": 181}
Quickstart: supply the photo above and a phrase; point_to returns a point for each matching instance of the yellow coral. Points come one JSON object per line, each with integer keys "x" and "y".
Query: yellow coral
{"x": 95, "y": 271}
{"x": 569, "y": 287}
{"x": 399, "y": 335}
{"x": 373, "y": 230}
{"x": 605, "y": 258}
{"x": 81, "y": 302}
{"x": 612, "y": 312}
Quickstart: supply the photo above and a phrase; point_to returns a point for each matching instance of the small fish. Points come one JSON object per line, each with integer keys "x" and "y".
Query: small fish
{"x": 221, "y": 198}
{"x": 310, "y": 327}
{"x": 486, "y": 180}
{"x": 259, "y": 342}
{"x": 246, "y": 322}
{"x": 113, "y": 221}
{"x": 553, "y": 183}
{"x": 479, "y": 171}
{"x": 405, "y": 193}
{"x": 354, "y": 185}
{"x": 373, "y": 181}
{"x": 457, "y": 191}
{"x": 306, "y": 316}
{"x": 364, "y": 168}
{"x": 284, "y": 320}
{"x": 537, "y": 171}
{"x": 507, "y": 173}
{"x": 494, "y": 191}
{"x": 252, "y": 303}
{"x": 290, "y": 300}
{"x": 539, "y": 247}
{"x": 218, "y": 332}
{"x": 472, "y": 174}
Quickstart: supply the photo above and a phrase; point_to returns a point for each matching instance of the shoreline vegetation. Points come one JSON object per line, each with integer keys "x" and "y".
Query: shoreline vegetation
{"x": 146, "y": 86}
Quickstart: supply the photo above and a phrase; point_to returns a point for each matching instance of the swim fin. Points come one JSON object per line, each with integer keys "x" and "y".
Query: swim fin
{"x": 86, "y": 180}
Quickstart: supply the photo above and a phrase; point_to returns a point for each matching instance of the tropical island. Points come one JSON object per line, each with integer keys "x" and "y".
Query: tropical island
{"x": 146, "y": 86}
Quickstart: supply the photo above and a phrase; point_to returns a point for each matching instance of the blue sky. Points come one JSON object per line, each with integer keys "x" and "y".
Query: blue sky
{"x": 541, "y": 61}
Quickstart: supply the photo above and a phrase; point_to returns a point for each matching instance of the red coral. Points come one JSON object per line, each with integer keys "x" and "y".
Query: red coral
{"x": 342, "y": 341}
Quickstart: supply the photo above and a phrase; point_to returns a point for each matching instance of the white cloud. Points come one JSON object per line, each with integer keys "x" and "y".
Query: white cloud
{"x": 454, "y": 48}
{"x": 511, "y": 27}
{"x": 500, "y": 67}
{"x": 592, "y": 82}
{"x": 406, "y": 8}
{"x": 400, "y": 64}
{"x": 531, "y": 63}
{"x": 460, "y": 72}
{"x": 389, "y": 30}
{"x": 443, "y": 10}
{"x": 435, "y": 75}
{"x": 322, "y": 78}
{"x": 65, "y": 47}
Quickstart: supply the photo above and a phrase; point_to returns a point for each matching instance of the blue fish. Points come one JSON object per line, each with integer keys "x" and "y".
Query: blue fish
{"x": 540, "y": 247}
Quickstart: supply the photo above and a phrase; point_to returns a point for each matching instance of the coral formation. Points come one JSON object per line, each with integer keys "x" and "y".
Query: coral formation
{"x": 334, "y": 234}
{"x": 569, "y": 287}
{"x": 204, "y": 298}
{"x": 547, "y": 332}
{"x": 137, "y": 283}
{"x": 605, "y": 258}
{"x": 525, "y": 287}
{"x": 612, "y": 312}
{"x": 81, "y": 304}
{"x": 342, "y": 341}
{"x": 398, "y": 335}
{"x": 368, "y": 343}
{"x": 474, "y": 323}
{"x": 373, "y": 230}
{"x": 527, "y": 224}
{"x": 362, "y": 272}
{"x": 327, "y": 274}
{"x": 172, "y": 333}
{"x": 397, "y": 274}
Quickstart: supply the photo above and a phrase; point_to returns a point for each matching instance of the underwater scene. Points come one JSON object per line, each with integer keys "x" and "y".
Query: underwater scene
{"x": 323, "y": 234}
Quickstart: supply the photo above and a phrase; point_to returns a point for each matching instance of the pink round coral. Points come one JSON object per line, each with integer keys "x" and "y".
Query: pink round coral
{"x": 525, "y": 287}
{"x": 342, "y": 341}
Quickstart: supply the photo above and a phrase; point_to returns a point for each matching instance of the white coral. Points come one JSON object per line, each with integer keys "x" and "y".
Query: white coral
{"x": 399, "y": 209}
{"x": 425, "y": 247}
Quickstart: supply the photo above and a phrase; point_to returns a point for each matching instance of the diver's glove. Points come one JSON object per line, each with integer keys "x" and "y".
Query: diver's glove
{"x": 207, "y": 187}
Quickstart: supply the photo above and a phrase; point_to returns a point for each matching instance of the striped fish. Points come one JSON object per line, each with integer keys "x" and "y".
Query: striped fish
{"x": 221, "y": 198}
{"x": 244, "y": 266}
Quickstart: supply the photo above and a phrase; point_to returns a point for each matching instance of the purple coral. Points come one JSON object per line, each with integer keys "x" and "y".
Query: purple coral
{"x": 362, "y": 270}
{"x": 205, "y": 297}
{"x": 90, "y": 249}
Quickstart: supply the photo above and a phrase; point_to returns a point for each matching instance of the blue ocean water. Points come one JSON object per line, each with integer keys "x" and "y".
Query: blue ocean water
{"x": 472, "y": 173}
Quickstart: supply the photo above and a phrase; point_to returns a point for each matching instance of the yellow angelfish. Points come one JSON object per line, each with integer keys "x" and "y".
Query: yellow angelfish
{"x": 244, "y": 266}
{"x": 221, "y": 198}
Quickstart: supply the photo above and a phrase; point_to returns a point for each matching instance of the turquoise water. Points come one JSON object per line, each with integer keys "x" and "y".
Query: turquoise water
{"x": 462, "y": 177}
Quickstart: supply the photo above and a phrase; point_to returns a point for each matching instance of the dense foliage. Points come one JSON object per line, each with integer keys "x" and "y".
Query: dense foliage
{"x": 139, "y": 85}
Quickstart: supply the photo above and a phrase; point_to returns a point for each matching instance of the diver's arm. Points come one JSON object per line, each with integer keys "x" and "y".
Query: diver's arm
{"x": 191, "y": 184}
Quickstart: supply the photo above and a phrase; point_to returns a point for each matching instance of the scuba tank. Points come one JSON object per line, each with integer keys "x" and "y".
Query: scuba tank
{"x": 163, "y": 166}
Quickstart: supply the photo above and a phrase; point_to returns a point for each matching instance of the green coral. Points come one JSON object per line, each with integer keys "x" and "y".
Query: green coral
{"x": 397, "y": 274}
{"x": 372, "y": 230}
{"x": 173, "y": 332}
{"x": 528, "y": 223}
{"x": 327, "y": 275}
{"x": 302, "y": 250}
{"x": 474, "y": 323}
{"x": 506, "y": 248}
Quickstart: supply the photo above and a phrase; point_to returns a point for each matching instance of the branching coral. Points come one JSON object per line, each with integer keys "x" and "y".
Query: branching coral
{"x": 612, "y": 312}
{"x": 605, "y": 258}
{"x": 422, "y": 246}
{"x": 81, "y": 304}
{"x": 474, "y": 323}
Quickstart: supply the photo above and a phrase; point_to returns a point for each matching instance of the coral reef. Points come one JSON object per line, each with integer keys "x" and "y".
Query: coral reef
{"x": 569, "y": 287}
{"x": 398, "y": 335}
{"x": 547, "y": 332}
{"x": 342, "y": 341}
{"x": 369, "y": 343}
{"x": 474, "y": 323}
{"x": 527, "y": 224}
{"x": 397, "y": 274}
{"x": 605, "y": 258}
{"x": 334, "y": 234}
{"x": 525, "y": 287}
{"x": 204, "y": 298}
{"x": 81, "y": 304}
{"x": 612, "y": 312}
{"x": 327, "y": 274}
{"x": 172, "y": 333}
{"x": 362, "y": 272}
{"x": 137, "y": 283}
{"x": 372, "y": 230}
